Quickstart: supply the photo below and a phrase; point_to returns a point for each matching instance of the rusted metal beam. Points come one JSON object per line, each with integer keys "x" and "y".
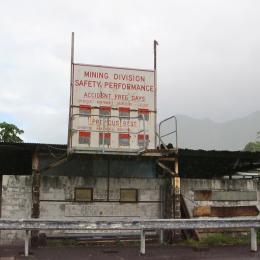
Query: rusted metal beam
{"x": 229, "y": 211}
{"x": 167, "y": 159}
{"x": 166, "y": 169}
{"x": 55, "y": 164}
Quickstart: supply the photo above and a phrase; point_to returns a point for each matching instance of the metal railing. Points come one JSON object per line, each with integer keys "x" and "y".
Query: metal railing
{"x": 174, "y": 132}
{"x": 105, "y": 121}
{"x": 143, "y": 225}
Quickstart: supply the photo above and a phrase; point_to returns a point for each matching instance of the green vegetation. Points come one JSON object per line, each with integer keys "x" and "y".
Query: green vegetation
{"x": 218, "y": 239}
{"x": 252, "y": 147}
{"x": 9, "y": 133}
{"x": 62, "y": 242}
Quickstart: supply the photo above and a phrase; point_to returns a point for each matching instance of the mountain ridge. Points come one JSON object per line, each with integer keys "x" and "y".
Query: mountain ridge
{"x": 206, "y": 134}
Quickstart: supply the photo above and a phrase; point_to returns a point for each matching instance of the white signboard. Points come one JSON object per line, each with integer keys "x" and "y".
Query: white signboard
{"x": 112, "y": 100}
{"x": 114, "y": 87}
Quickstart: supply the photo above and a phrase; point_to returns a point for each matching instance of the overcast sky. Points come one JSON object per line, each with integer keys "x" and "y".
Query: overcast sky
{"x": 208, "y": 56}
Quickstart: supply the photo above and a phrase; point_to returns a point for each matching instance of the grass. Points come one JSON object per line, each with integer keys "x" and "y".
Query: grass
{"x": 62, "y": 242}
{"x": 219, "y": 239}
{"x": 211, "y": 239}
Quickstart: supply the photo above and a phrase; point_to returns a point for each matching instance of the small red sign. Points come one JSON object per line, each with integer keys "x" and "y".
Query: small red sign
{"x": 124, "y": 136}
{"x": 85, "y": 107}
{"x": 84, "y": 134}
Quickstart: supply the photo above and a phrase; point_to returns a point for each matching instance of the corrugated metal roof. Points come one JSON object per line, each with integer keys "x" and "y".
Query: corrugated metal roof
{"x": 16, "y": 158}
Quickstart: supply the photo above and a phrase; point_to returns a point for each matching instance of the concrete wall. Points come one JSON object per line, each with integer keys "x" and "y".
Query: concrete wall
{"x": 57, "y": 198}
{"x": 16, "y": 203}
{"x": 229, "y": 192}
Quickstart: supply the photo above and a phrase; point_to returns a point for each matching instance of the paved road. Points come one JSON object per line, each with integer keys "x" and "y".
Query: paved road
{"x": 132, "y": 252}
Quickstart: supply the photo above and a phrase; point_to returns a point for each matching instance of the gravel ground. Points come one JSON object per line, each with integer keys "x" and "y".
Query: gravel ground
{"x": 131, "y": 252}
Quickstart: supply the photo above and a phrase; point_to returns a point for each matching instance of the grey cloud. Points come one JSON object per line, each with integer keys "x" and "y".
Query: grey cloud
{"x": 208, "y": 55}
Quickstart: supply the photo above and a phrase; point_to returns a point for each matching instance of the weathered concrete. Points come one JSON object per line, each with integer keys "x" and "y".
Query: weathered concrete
{"x": 16, "y": 203}
{"x": 242, "y": 192}
{"x": 57, "y": 198}
{"x": 208, "y": 195}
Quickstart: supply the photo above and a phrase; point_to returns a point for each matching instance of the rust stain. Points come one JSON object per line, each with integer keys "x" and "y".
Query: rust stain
{"x": 237, "y": 211}
{"x": 203, "y": 211}
{"x": 202, "y": 195}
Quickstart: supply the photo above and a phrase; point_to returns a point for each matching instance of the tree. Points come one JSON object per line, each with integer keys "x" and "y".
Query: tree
{"x": 252, "y": 147}
{"x": 9, "y": 133}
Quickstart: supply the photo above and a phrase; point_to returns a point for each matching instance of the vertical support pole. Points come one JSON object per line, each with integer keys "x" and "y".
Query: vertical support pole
{"x": 155, "y": 43}
{"x": 177, "y": 196}
{"x": 142, "y": 248}
{"x": 253, "y": 240}
{"x": 1, "y": 184}
{"x": 168, "y": 207}
{"x": 26, "y": 243}
{"x": 177, "y": 190}
{"x": 71, "y": 92}
{"x": 103, "y": 134}
{"x": 177, "y": 204}
{"x": 35, "y": 195}
{"x": 161, "y": 232}
{"x": 108, "y": 179}
{"x": 161, "y": 236}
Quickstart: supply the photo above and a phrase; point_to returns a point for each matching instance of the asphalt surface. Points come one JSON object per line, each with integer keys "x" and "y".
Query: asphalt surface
{"x": 131, "y": 252}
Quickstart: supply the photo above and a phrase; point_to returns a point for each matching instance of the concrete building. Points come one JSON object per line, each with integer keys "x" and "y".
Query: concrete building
{"x": 40, "y": 181}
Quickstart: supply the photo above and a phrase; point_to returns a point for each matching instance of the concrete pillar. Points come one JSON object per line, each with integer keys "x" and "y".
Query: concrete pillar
{"x": 26, "y": 243}
{"x": 1, "y": 182}
{"x": 35, "y": 196}
{"x": 161, "y": 234}
{"x": 253, "y": 240}
{"x": 162, "y": 209}
{"x": 142, "y": 248}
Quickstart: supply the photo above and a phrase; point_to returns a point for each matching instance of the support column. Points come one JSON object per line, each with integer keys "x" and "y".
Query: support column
{"x": 177, "y": 197}
{"x": 35, "y": 196}
{"x": 142, "y": 248}
{"x": 177, "y": 191}
{"x": 253, "y": 240}
{"x": 1, "y": 184}
{"x": 26, "y": 243}
{"x": 168, "y": 208}
{"x": 162, "y": 214}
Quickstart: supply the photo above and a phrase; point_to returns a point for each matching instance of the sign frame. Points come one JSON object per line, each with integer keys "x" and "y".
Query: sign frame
{"x": 73, "y": 149}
